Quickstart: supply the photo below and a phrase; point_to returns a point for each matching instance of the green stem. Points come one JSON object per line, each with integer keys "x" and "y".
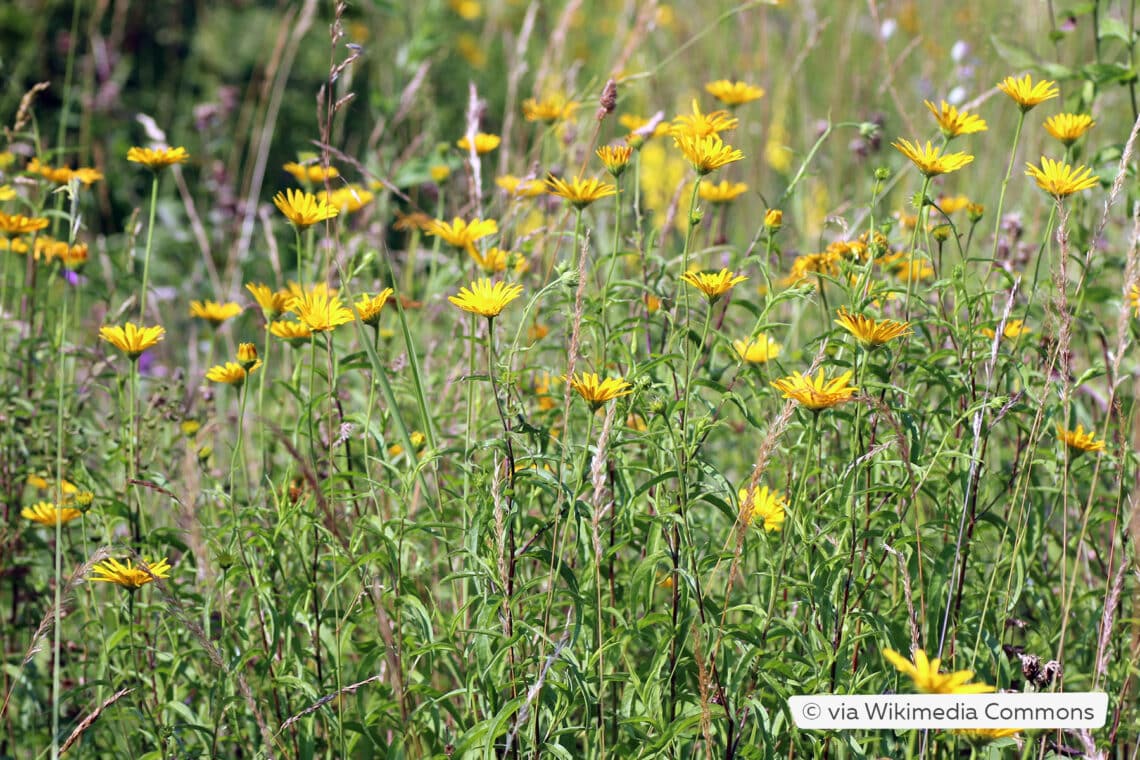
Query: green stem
{"x": 1005, "y": 183}
{"x": 61, "y": 377}
{"x": 918, "y": 224}
{"x": 132, "y": 497}
{"x": 149, "y": 239}
{"x": 261, "y": 427}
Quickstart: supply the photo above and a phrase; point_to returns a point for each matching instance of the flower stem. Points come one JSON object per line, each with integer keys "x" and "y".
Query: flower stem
{"x": 149, "y": 238}
{"x": 918, "y": 224}
{"x": 1005, "y": 183}
{"x": 61, "y": 376}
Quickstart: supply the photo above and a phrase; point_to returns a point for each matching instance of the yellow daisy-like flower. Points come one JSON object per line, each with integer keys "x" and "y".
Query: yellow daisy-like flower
{"x": 157, "y": 158}
{"x": 928, "y": 680}
{"x": 734, "y": 93}
{"x": 984, "y": 735}
{"x": 369, "y": 307}
{"x": 1059, "y": 179}
{"x": 930, "y": 160}
{"x": 615, "y": 158}
{"x": 128, "y": 576}
{"x": 303, "y": 209}
{"x": 46, "y": 513}
{"x": 549, "y": 109}
{"x": 349, "y": 199}
{"x": 580, "y": 192}
{"x": 1014, "y": 328}
{"x": 724, "y": 192}
{"x": 816, "y": 393}
{"x": 230, "y": 373}
{"x": 18, "y": 224}
{"x": 1079, "y": 440}
{"x": 417, "y": 220}
{"x": 312, "y": 173}
{"x": 213, "y": 312}
{"x": 486, "y": 298}
{"x": 495, "y": 260}
{"x": 871, "y": 333}
{"x": 132, "y": 339}
{"x": 953, "y": 122}
{"x": 953, "y": 203}
{"x": 769, "y": 505}
{"x": 1069, "y": 127}
{"x": 484, "y": 143}
{"x": 272, "y": 303}
{"x": 707, "y": 154}
{"x": 439, "y": 172}
{"x": 597, "y": 391}
{"x": 295, "y": 333}
{"x": 521, "y": 188}
{"x": 757, "y": 349}
{"x": 294, "y": 290}
{"x": 320, "y": 310}
{"x": 713, "y": 284}
{"x": 7, "y": 193}
{"x": 62, "y": 175}
{"x": 1026, "y": 93}
{"x": 459, "y": 233}
{"x": 697, "y": 124}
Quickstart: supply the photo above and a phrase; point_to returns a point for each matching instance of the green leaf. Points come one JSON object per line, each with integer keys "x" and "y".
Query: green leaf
{"x": 1012, "y": 54}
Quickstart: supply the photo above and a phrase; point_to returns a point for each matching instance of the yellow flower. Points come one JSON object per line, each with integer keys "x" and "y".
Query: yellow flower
{"x": 550, "y": 109}
{"x": 930, "y": 160}
{"x": 768, "y": 505}
{"x": 417, "y": 439}
{"x": 7, "y": 193}
{"x": 272, "y": 303}
{"x": 349, "y": 199}
{"x": 461, "y": 234}
{"x": 615, "y": 158}
{"x": 131, "y": 339}
{"x": 230, "y": 373}
{"x": 580, "y": 192}
{"x": 18, "y": 224}
{"x": 247, "y": 356}
{"x": 757, "y": 349}
{"x": 1079, "y": 440}
{"x": 810, "y": 266}
{"x": 129, "y": 576}
{"x": 713, "y": 284}
{"x": 1014, "y": 328}
{"x": 597, "y": 391}
{"x": 953, "y": 122}
{"x": 320, "y": 310}
{"x": 213, "y": 312}
{"x": 486, "y": 298}
{"x": 1027, "y": 94}
{"x": 369, "y": 307}
{"x": 869, "y": 332}
{"x": 542, "y": 383}
{"x": 62, "y": 175}
{"x": 984, "y": 735}
{"x": 294, "y": 290}
{"x": 520, "y": 188}
{"x": 1134, "y": 299}
{"x": 734, "y": 93}
{"x": 46, "y": 513}
{"x": 928, "y": 680}
{"x": 697, "y": 124}
{"x": 157, "y": 158}
{"x": 951, "y": 203}
{"x": 495, "y": 260}
{"x": 1059, "y": 179}
{"x": 296, "y": 333}
{"x": 773, "y": 219}
{"x": 484, "y": 143}
{"x": 707, "y": 153}
{"x": 816, "y": 393}
{"x": 724, "y": 192}
{"x": 652, "y": 303}
{"x": 439, "y": 172}
{"x": 1069, "y": 127}
{"x": 417, "y": 220}
{"x": 312, "y": 173}
{"x": 303, "y": 209}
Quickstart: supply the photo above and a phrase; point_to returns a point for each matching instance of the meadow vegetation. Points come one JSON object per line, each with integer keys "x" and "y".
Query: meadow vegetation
{"x": 492, "y": 378}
